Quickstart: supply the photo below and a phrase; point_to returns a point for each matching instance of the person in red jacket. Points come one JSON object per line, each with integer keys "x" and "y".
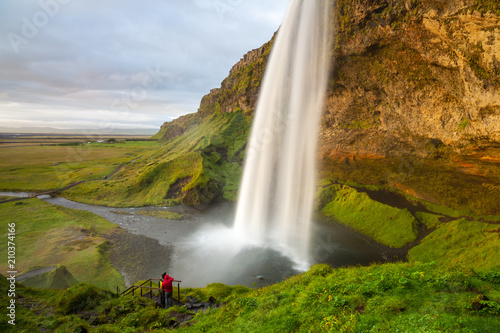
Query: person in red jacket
{"x": 167, "y": 289}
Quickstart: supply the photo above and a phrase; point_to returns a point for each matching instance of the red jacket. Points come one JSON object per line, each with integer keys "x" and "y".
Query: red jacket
{"x": 167, "y": 283}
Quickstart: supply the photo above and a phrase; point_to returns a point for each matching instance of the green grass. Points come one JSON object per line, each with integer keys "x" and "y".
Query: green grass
{"x": 401, "y": 297}
{"x": 48, "y": 235}
{"x": 380, "y": 298}
{"x": 52, "y": 167}
{"x": 218, "y": 291}
{"x": 431, "y": 221}
{"x": 130, "y": 144}
{"x": 444, "y": 210}
{"x": 385, "y": 224}
{"x": 461, "y": 242}
{"x": 161, "y": 214}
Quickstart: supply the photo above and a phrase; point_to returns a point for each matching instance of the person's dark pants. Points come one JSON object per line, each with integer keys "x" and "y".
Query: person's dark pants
{"x": 163, "y": 298}
{"x": 169, "y": 299}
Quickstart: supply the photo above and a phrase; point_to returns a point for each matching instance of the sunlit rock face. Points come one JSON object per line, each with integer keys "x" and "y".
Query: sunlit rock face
{"x": 411, "y": 72}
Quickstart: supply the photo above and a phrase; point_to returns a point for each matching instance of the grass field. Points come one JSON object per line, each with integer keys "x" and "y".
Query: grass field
{"x": 454, "y": 237}
{"x": 37, "y": 168}
{"x": 61, "y": 139}
{"x": 48, "y": 235}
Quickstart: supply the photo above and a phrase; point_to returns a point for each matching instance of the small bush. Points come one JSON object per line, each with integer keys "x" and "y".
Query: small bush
{"x": 81, "y": 297}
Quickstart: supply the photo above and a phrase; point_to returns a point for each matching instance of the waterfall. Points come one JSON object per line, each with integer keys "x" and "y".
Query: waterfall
{"x": 277, "y": 191}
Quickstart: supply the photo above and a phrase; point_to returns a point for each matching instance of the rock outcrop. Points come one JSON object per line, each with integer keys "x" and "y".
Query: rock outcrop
{"x": 433, "y": 75}
{"x": 248, "y": 59}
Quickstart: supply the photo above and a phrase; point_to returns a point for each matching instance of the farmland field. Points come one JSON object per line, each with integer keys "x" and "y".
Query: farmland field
{"x": 42, "y": 163}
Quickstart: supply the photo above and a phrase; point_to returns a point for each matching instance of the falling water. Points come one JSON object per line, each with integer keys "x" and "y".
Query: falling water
{"x": 276, "y": 196}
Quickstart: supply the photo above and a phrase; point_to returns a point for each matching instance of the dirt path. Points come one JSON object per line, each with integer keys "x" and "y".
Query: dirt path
{"x": 34, "y": 272}
{"x": 52, "y": 191}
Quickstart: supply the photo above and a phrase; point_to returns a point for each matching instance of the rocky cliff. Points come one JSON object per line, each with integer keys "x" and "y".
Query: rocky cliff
{"x": 413, "y": 103}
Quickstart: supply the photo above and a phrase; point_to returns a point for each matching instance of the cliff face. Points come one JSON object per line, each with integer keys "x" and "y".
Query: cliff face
{"x": 240, "y": 90}
{"x": 410, "y": 72}
{"x": 413, "y": 102}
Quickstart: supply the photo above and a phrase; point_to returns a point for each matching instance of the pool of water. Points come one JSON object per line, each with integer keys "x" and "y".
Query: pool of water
{"x": 202, "y": 249}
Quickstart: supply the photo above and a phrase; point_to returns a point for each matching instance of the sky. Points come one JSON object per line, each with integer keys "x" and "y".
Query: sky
{"x": 117, "y": 64}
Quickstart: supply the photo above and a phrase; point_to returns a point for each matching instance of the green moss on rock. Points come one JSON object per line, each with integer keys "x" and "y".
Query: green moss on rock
{"x": 461, "y": 243}
{"x": 387, "y": 225}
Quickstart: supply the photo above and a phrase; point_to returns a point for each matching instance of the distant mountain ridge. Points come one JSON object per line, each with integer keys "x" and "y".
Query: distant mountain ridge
{"x": 51, "y": 130}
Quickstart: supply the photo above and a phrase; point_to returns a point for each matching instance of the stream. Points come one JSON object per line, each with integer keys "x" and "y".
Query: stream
{"x": 200, "y": 249}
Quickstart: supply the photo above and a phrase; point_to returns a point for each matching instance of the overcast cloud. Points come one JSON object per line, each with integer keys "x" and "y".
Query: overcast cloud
{"x": 121, "y": 63}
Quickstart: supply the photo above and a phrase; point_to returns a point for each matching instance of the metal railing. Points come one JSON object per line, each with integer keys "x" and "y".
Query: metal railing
{"x": 132, "y": 289}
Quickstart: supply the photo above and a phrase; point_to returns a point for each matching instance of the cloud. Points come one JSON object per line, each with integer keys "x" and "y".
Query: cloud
{"x": 153, "y": 60}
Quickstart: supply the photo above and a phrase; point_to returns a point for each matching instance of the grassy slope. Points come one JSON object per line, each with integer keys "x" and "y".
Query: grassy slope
{"x": 379, "y": 298}
{"x": 385, "y": 298}
{"x": 48, "y": 235}
{"x": 205, "y": 163}
{"x": 461, "y": 242}
{"x": 385, "y": 224}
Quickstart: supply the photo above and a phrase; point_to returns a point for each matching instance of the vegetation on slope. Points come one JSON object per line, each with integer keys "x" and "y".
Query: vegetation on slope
{"x": 385, "y": 224}
{"x": 461, "y": 242}
{"x": 379, "y": 298}
{"x": 48, "y": 235}
{"x": 425, "y": 231}
{"x": 200, "y": 166}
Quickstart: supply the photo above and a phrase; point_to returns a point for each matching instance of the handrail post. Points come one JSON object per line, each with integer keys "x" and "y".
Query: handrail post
{"x": 179, "y": 291}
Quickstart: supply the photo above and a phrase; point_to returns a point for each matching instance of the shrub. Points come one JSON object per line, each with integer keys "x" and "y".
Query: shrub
{"x": 81, "y": 297}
